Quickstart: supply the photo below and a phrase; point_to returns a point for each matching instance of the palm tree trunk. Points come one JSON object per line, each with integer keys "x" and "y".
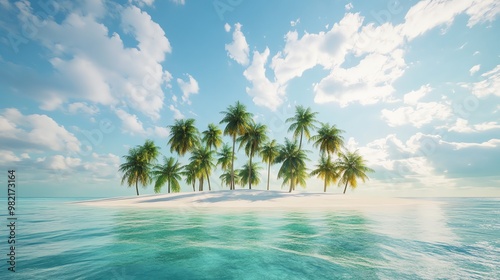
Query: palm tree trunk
{"x": 345, "y": 188}
{"x": 300, "y": 143}
{"x": 194, "y": 189}
{"x": 268, "y": 174}
{"x": 291, "y": 183}
{"x": 208, "y": 179}
{"x": 324, "y": 190}
{"x": 250, "y": 174}
{"x": 137, "y": 187}
{"x": 232, "y": 165}
{"x": 201, "y": 184}
{"x": 169, "y": 186}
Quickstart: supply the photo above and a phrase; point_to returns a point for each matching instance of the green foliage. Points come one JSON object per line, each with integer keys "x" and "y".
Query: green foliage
{"x": 293, "y": 164}
{"x": 212, "y": 137}
{"x": 302, "y": 123}
{"x": 326, "y": 170}
{"x": 168, "y": 173}
{"x": 184, "y": 136}
{"x": 328, "y": 139}
{"x": 351, "y": 166}
{"x": 224, "y": 157}
{"x": 249, "y": 173}
{"x": 138, "y": 163}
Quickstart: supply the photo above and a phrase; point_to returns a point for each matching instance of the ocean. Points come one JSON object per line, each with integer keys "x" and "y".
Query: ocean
{"x": 455, "y": 238}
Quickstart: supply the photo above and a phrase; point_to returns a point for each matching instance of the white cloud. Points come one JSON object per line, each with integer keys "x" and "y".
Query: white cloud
{"x": 227, "y": 27}
{"x": 238, "y": 49}
{"x": 177, "y": 114}
{"x": 142, "y": 3}
{"x": 82, "y": 107}
{"x": 161, "y": 131}
{"x": 130, "y": 123}
{"x": 349, "y": 7}
{"x": 367, "y": 83}
{"x": 34, "y": 132}
{"x": 264, "y": 92}
{"x": 59, "y": 162}
{"x": 474, "y": 69}
{"x": 8, "y": 157}
{"x": 490, "y": 85}
{"x": 462, "y": 126}
{"x": 413, "y": 97}
{"x": 428, "y": 14}
{"x": 179, "y": 2}
{"x": 417, "y": 115}
{"x": 90, "y": 62}
{"x": 294, "y": 23}
{"x": 188, "y": 87}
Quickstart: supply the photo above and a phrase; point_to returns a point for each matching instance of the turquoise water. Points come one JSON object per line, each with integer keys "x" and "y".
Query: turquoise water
{"x": 458, "y": 239}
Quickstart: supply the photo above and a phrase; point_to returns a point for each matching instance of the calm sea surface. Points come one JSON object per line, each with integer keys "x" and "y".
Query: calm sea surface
{"x": 457, "y": 239}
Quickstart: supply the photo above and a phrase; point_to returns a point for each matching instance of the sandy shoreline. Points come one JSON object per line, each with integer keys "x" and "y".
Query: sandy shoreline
{"x": 253, "y": 199}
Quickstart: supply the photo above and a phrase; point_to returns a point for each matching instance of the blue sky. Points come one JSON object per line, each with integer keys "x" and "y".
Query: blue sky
{"x": 415, "y": 85}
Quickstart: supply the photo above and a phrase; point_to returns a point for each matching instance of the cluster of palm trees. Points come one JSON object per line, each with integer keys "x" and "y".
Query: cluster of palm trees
{"x": 207, "y": 151}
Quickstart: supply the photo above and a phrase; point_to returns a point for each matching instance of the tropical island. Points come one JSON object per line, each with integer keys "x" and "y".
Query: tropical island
{"x": 206, "y": 150}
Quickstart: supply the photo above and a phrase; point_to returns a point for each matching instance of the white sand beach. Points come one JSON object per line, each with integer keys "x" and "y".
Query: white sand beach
{"x": 254, "y": 199}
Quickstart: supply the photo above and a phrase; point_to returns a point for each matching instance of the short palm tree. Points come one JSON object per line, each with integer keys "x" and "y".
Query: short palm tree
{"x": 302, "y": 123}
{"x": 150, "y": 151}
{"x": 202, "y": 157}
{"x": 269, "y": 152}
{"x": 136, "y": 169}
{"x": 351, "y": 166}
{"x": 328, "y": 139}
{"x": 237, "y": 119}
{"x": 249, "y": 174}
{"x": 326, "y": 170}
{"x": 169, "y": 172}
{"x": 224, "y": 157}
{"x": 190, "y": 172}
{"x": 225, "y": 178}
{"x": 293, "y": 163}
{"x": 299, "y": 176}
{"x": 253, "y": 139}
{"x": 212, "y": 137}
{"x": 184, "y": 136}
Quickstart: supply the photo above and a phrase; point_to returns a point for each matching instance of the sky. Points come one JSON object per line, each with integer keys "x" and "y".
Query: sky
{"x": 415, "y": 85}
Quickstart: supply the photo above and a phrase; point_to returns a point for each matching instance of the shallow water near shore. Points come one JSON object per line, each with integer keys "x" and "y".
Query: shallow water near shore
{"x": 456, "y": 239}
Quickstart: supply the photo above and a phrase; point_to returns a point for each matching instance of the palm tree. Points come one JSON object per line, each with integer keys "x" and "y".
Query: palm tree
{"x": 137, "y": 166}
{"x": 236, "y": 119}
{"x": 351, "y": 166}
{"x": 212, "y": 137}
{"x": 225, "y": 178}
{"x": 150, "y": 151}
{"x": 302, "y": 123}
{"x": 269, "y": 152}
{"x": 248, "y": 174}
{"x": 299, "y": 176}
{"x": 253, "y": 139}
{"x": 293, "y": 161}
{"x": 224, "y": 158}
{"x": 203, "y": 159}
{"x": 190, "y": 173}
{"x": 326, "y": 170}
{"x": 328, "y": 139}
{"x": 169, "y": 172}
{"x": 184, "y": 136}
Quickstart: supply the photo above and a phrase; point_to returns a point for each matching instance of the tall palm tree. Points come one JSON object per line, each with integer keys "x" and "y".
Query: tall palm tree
{"x": 253, "y": 139}
{"x": 237, "y": 120}
{"x": 293, "y": 161}
{"x": 135, "y": 169}
{"x": 184, "y": 136}
{"x": 169, "y": 172}
{"x": 248, "y": 174}
{"x": 212, "y": 137}
{"x": 203, "y": 158}
{"x": 326, "y": 170}
{"x": 269, "y": 152}
{"x": 328, "y": 139}
{"x": 302, "y": 122}
{"x": 351, "y": 166}
{"x": 224, "y": 157}
{"x": 190, "y": 172}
